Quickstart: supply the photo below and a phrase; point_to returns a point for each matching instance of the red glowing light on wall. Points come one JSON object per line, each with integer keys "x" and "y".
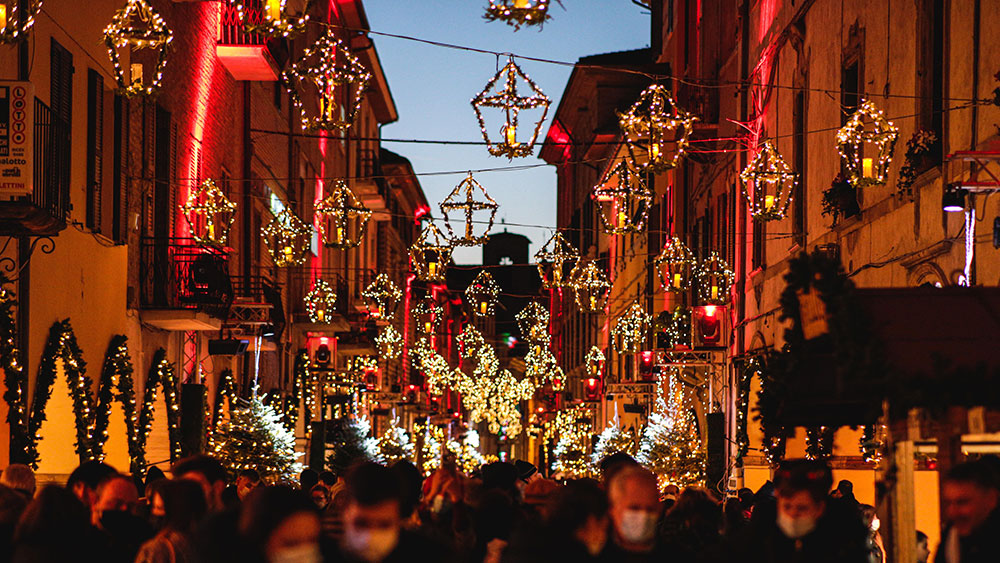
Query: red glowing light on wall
{"x": 421, "y": 212}
{"x": 558, "y": 136}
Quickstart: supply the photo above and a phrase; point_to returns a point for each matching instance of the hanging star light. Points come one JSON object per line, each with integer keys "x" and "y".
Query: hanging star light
{"x": 389, "y": 343}
{"x": 209, "y": 214}
{"x": 533, "y": 322}
{"x": 768, "y": 184}
{"x": 623, "y": 200}
{"x": 714, "y": 279}
{"x": 867, "y": 126}
{"x": 591, "y": 286}
{"x": 556, "y": 260}
{"x": 137, "y": 26}
{"x": 328, "y": 72}
{"x": 11, "y": 26}
{"x": 428, "y": 316}
{"x": 381, "y": 297}
{"x": 656, "y": 130}
{"x": 673, "y": 266}
{"x": 518, "y": 12}
{"x": 482, "y": 293}
{"x": 507, "y": 99}
{"x": 430, "y": 254}
{"x": 340, "y": 218}
{"x": 273, "y": 19}
{"x": 629, "y": 332}
{"x": 321, "y": 302}
{"x": 463, "y": 197}
{"x": 595, "y": 362}
{"x": 288, "y": 239}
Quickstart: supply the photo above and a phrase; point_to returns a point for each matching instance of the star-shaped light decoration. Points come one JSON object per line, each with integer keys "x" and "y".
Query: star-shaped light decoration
{"x": 329, "y": 73}
{"x": 274, "y": 18}
{"x": 629, "y": 332}
{"x": 623, "y": 200}
{"x": 209, "y": 214}
{"x": 341, "y": 219}
{"x": 656, "y": 130}
{"x": 591, "y": 286}
{"x": 482, "y": 293}
{"x": 381, "y": 297}
{"x": 138, "y": 26}
{"x": 430, "y": 254}
{"x": 768, "y": 184}
{"x": 464, "y": 198}
{"x": 867, "y": 127}
{"x": 556, "y": 260}
{"x": 673, "y": 266}
{"x": 288, "y": 239}
{"x": 506, "y": 98}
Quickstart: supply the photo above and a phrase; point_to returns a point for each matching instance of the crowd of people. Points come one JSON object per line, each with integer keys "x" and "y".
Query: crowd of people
{"x": 504, "y": 512}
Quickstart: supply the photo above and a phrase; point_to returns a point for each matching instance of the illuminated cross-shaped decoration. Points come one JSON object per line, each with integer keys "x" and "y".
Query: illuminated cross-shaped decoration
{"x": 464, "y": 198}
{"x": 340, "y": 218}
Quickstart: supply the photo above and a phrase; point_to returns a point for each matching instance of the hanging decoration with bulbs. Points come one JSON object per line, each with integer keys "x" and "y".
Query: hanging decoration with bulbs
{"x": 533, "y": 322}
{"x": 381, "y": 298}
{"x": 714, "y": 279}
{"x": 482, "y": 293}
{"x": 430, "y": 254}
{"x": 493, "y": 395}
{"x": 629, "y": 333}
{"x": 209, "y": 214}
{"x": 675, "y": 326}
{"x": 768, "y": 184}
{"x": 590, "y": 286}
{"x": 623, "y": 199}
{"x": 463, "y": 198}
{"x": 470, "y": 340}
{"x": 595, "y": 362}
{"x": 321, "y": 302}
{"x": 341, "y": 219}
{"x": 288, "y": 239}
{"x": 274, "y": 18}
{"x": 389, "y": 343}
{"x": 867, "y": 127}
{"x": 556, "y": 260}
{"x": 508, "y": 100}
{"x": 518, "y": 12}
{"x": 673, "y": 266}
{"x": 11, "y": 26}
{"x": 541, "y": 367}
{"x": 137, "y": 26}
{"x": 656, "y": 131}
{"x": 428, "y": 316}
{"x": 329, "y": 71}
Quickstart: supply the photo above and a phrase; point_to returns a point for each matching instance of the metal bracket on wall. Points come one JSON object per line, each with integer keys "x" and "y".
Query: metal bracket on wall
{"x": 9, "y": 266}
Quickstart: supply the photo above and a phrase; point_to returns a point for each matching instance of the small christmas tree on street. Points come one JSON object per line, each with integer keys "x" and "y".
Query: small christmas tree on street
{"x": 671, "y": 445}
{"x": 611, "y": 441}
{"x": 352, "y": 443}
{"x": 394, "y": 445}
{"x": 571, "y": 455}
{"x": 255, "y": 438}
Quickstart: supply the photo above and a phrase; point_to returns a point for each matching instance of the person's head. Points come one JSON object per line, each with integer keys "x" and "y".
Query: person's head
{"x": 12, "y": 505}
{"x": 115, "y": 493}
{"x": 328, "y": 478}
{"x": 845, "y": 489}
{"x": 580, "y": 510}
{"x": 177, "y": 505}
{"x": 923, "y": 550}
{"x": 246, "y": 481}
{"x": 320, "y": 495}
{"x": 538, "y": 495}
{"x": 281, "y": 523}
{"x": 307, "y": 479}
{"x": 372, "y": 516}
{"x": 801, "y": 486}
{"x": 746, "y": 498}
{"x": 55, "y": 514}
{"x": 526, "y": 471}
{"x": 501, "y": 476}
{"x": 19, "y": 477}
{"x": 671, "y": 491}
{"x": 410, "y": 482}
{"x": 611, "y": 464}
{"x": 970, "y": 492}
{"x": 207, "y": 472}
{"x": 84, "y": 479}
{"x": 869, "y": 518}
{"x": 697, "y": 509}
{"x": 634, "y": 507}
{"x": 153, "y": 475}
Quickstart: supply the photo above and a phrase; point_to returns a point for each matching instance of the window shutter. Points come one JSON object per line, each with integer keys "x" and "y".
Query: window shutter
{"x": 95, "y": 148}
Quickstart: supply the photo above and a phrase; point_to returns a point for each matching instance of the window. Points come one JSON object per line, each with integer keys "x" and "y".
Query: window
{"x": 759, "y": 241}
{"x": 930, "y": 73}
{"x": 161, "y": 212}
{"x": 95, "y": 151}
{"x": 61, "y": 106}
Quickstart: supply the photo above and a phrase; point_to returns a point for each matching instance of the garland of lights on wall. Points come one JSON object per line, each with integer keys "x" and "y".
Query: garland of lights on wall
{"x": 321, "y": 302}
{"x": 327, "y": 68}
{"x": 162, "y": 373}
{"x": 673, "y": 266}
{"x": 115, "y": 385}
{"x": 714, "y": 280}
{"x": 768, "y": 184}
{"x": 389, "y": 343}
{"x": 430, "y": 254}
{"x": 381, "y": 298}
{"x": 482, "y": 293}
{"x": 508, "y": 100}
{"x": 11, "y": 26}
{"x": 275, "y": 19}
{"x": 15, "y": 382}
{"x": 533, "y": 322}
{"x": 463, "y": 198}
{"x": 629, "y": 332}
{"x": 623, "y": 200}
{"x": 518, "y": 12}
{"x": 656, "y": 130}
{"x": 209, "y": 214}
{"x": 854, "y": 136}
{"x": 340, "y": 218}
{"x": 287, "y": 238}
{"x": 556, "y": 260}
{"x": 137, "y": 26}
{"x": 590, "y": 286}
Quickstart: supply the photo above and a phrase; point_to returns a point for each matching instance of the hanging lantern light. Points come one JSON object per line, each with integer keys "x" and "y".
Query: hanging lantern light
{"x": 463, "y": 198}
{"x": 470, "y": 341}
{"x": 518, "y": 12}
{"x": 556, "y": 260}
{"x": 138, "y": 26}
{"x": 341, "y": 219}
{"x": 482, "y": 294}
{"x": 288, "y": 239}
{"x": 595, "y": 362}
{"x": 328, "y": 72}
{"x": 675, "y": 327}
{"x": 507, "y": 99}
{"x": 541, "y": 367}
{"x": 321, "y": 302}
{"x": 11, "y": 26}
{"x": 533, "y": 322}
{"x": 209, "y": 214}
{"x": 591, "y": 286}
{"x": 381, "y": 297}
{"x": 430, "y": 254}
{"x": 389, "y": 343}
{"x": 867, "y": 126}
{"x": 656, "y": 130}
{"x": 714, "y": 280}
{"x": 673, "y": 266}
{"x": 273, "y": 19}
{"x": 623, "y": 200}
{"x": 768, "y": 184}
{"x": 629, "y": 332}
{"x": 428, "y": 315}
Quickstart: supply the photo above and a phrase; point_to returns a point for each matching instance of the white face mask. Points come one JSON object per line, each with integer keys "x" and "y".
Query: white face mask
{"x": 371, "y": 545}
{"x": 637, "y": 526}
{"x": 302, "y": 553}
{"x": 795, "y": 528}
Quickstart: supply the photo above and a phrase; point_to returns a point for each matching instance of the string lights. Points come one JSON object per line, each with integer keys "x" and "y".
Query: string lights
{"x": 287, "y": 238}
{"x": 470, "y": 340}
{"x": 508, "y": 100}
{"x": 381, "y": 298}
{"x": 533, "y": 322}
{"x": 590, "y": 286}
{"x": 676, "y": 326}
{"x": 768, "y": 184}
{"x": 137, "y": 26}
{"x": 389, "y": 343}
{"x": 518, "y": 12}
{"x": 714, "y": 279}
{"x": 482, "y": 293}
{"x": 340, "y": 218}
{"x": 867, "y": 126}
{"x": 556, "y": 260}
{"x": 629, "y": 332}
{"x": 463, "y": 198}
{"x": 209, "y": 214}
{"x": 623, "y": 199}
{"x": 11, "y": 26}
{"x": 329, "y": 72}
{"x": 428, "y": 316}
{"x": 595, "y": 362}
{"x": 274, "y": 19}
{"x": 321, "y": 302}
{"x": 656, "y": 130}
{"x": 430, "y": 254}
{"x": 541, "y": 367}
{"x": 673, "y": 266}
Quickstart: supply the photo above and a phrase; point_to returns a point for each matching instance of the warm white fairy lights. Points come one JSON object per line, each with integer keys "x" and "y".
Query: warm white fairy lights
{"x": 714, "y": 278}
{"x": 11, "y": 26}
{"x": 768, "y": 184}
{"x": 533, "y": 322}
{"x": 137, "y": 26}
{"x": 328, "y": 72}
{"x": 482, "y": 293}
{"x": 321, "y": 302}
{"x": 595, "y": 362}
{"x": 518, "y": 12}
{"x": 464, "y": 198}
{"x": 389, "y": 343}
{"x": 673, "y": 266}
{"x": 209, "y": 214}
{"x": 381, "y": 297}
{"x": 624, "y": 200}
{"x": 508, "y": 100}
{"x": 629, "y": 332}
{"x": 288, "y": 239}
{"x": 556, "y": 260}
{"x": 428, "y": 315}
{"x": 542, "y": 368}
{"x": 340, "y": 218}
{"x": 867, "y": 127}
{"x": 590, "y": 286}
{"x": 430, "y": 254}
{"x": 656, "y": 130}
{"x": 274, "y": 18}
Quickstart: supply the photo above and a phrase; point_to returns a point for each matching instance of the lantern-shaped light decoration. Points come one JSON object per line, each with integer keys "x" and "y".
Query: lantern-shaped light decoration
{"x": 329, "y": 73}
{"x": 556, "y": 260}
{"x": 673, "y": 266}
{"x": 428, "y": 316}
{"x": 470, "y": 340}
{"x": 341, "y": 219}
{"x": 209, "y": 214}
{"x": 714, "y": 279}
{"x": 389, "y": 342}
{"x": 321, "y": 302}
{"x": 656, "y": 130}
{"x": 675, "y": 327}
{"x": 768, "y": 184}
{"x": 274, "y": 18}
{"x": 591, "y": 286}
{"x": 868, "y": 127}
{"x": 630, "y": 330}
{"x": 518, "y": 12}
{"x": 288, "y": 239}
{"x": 463, "y": 198}
{"x": 482, "y": 294}
{"x": 595, "y": 362}
{"x": 506, "y": 98}
{"x": 430, "y": 254}
{"x": 623, "y": 200}
{"x": 138, "y": 26}
{"x": 533, "y": 322}
{"x": 541, "y": 367}
{"x": 11, "y": 26}
{"x": 381, "y": 297}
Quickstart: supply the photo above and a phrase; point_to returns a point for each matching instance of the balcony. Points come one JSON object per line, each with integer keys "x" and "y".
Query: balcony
{"x": 42, "y": 212}
{"x": 301, "y": 281}
{"x": 248, "y": 56}
{"x": 185, "y": 286}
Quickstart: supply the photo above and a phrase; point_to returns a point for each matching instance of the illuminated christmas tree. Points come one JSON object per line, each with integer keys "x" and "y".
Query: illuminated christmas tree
{"x": 671, "y": 445}
{"x": 255, "y": 438}
{"x": 611, "y": 441}
{"x": 572, "y": 456}
{"x": 352, "y": 443}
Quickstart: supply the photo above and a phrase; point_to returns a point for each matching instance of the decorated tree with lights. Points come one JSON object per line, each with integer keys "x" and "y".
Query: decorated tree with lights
{"x": 255, "y": 438}
{"x": 611, "y": 441}
{"x": 572, "y": 455}
{"x": 670, "y": 445}
{"x": 353, "y": 443}
{"x": 394, "y": 444}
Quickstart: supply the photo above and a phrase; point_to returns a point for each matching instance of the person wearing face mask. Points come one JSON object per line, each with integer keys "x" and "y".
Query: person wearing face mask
{"x": 114, "y": 513}
{"x": 278, "y": 525}
{"x": 634, "y": 508}
{"x": 175, "y": 509}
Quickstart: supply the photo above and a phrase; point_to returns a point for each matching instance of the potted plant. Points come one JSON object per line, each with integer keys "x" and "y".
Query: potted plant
{"x": 918, "y": 150}
{"x": 840, "y": 200}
